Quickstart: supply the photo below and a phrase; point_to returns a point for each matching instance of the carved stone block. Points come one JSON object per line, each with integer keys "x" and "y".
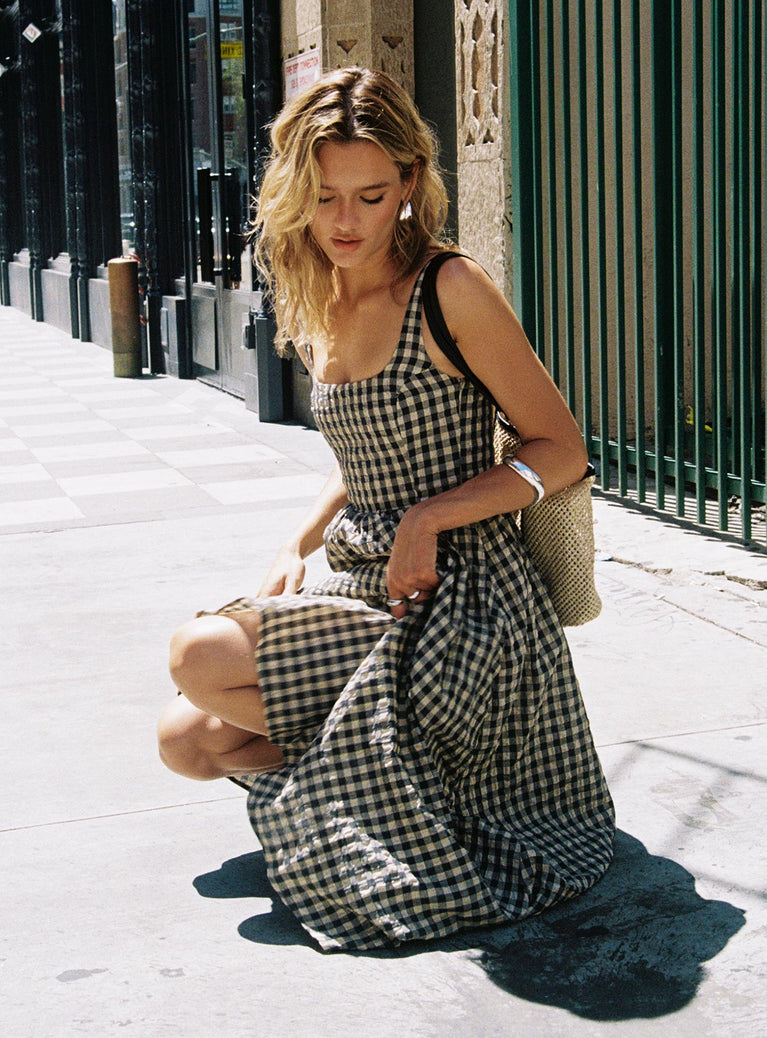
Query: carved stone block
{"x": 479, "y": 46}
{"x": 372, "y": 33}
{"x": 483, "y": 191}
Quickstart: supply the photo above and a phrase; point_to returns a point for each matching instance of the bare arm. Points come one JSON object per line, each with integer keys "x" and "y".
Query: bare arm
{"x": 496, "y": 349}
{"x": 287, "y": 572}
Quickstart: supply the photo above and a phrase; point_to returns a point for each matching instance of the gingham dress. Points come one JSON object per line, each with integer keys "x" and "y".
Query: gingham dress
{"x": 440, "y": 771}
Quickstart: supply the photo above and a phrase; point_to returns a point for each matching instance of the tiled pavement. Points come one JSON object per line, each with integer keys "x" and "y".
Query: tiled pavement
{"x": 79, "y": 447}
{"x": 135, "y": 901}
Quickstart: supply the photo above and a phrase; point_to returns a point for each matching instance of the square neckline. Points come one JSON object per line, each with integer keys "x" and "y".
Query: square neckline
{"x": 406, "y": 320}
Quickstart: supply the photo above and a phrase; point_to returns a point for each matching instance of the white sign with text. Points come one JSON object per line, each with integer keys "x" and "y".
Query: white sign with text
{"x": 301, "y": 71}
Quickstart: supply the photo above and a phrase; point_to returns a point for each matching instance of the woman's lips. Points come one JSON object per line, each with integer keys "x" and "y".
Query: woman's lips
{"x": 346, "y": 244}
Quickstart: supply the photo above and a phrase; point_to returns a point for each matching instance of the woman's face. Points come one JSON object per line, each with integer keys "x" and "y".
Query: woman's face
{"x": 361, "y": 194}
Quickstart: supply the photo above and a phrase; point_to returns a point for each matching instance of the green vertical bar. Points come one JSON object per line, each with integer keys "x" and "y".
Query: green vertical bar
{"x": 525, "y": 168}
{"x": 742, "y": 34}
{"x": 553, "y": 250}
{"x": 719, "y": 239}
{"x": 678, "y": 254}
{"x": 604, "y": 374}
{"x": 620, "y": 262}
{"x": 751, "y": 81}
{"x": 660, "y": 273}
{"x": 759, "y": 241}
{"x": 699, "y": 268}
{"x": 585, "y": 224}
{"x": 762, "y": 288}
{"x": 535, "y": 130}
{"x": 760, "y": 247}
{"x": 522, "y": 142}
{"x": 736, "y": 326}
{"x": 639, "y": 398}
{"x": 567, "y": 209}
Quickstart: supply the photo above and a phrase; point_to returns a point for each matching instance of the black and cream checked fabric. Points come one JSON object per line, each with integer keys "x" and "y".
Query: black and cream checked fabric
{"x": 440, "y": 769}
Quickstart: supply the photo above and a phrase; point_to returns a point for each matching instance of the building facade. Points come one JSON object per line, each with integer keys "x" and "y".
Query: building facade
{"x": 606, "y": 164}
{"x": 133, "y": 128}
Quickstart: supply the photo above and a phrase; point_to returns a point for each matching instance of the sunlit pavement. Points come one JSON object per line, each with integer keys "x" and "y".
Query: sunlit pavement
{"x": 134, "y": 901}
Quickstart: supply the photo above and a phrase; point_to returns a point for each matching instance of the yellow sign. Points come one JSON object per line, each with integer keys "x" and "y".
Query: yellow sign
{"x": 230, "y": 51}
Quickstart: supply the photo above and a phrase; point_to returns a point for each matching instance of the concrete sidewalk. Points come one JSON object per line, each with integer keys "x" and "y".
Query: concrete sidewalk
{"x": 135, "y": 902}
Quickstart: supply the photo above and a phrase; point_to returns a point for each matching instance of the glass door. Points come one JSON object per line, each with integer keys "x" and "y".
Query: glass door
{"x": 222, "y": 282}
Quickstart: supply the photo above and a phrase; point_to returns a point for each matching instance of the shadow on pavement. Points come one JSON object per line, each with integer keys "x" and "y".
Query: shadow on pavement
{"x": 246, "y": 877}
{"x": 633, "y": 947}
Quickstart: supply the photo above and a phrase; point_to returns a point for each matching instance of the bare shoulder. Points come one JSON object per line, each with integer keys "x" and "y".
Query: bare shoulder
{"x": 468, "y": 295}
{"x": 458, "y": 267}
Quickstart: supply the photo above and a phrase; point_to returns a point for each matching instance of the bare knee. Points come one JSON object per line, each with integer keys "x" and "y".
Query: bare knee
{"x": 189, "y": 648}
{"x": 181, "y": 737}
{"x": 212, "y": 652}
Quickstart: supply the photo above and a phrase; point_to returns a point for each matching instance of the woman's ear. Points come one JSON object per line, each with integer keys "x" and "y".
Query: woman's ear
{"x": 409, "y": 182}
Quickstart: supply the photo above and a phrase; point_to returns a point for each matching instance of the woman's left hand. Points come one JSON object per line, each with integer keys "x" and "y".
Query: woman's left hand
{"x": 412, "y": 571}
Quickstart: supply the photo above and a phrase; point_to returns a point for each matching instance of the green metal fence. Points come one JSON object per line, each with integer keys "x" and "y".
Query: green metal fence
{"x": 638, "y": 212}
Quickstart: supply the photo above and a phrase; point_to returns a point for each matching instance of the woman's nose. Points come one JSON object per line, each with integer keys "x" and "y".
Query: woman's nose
{"x": 345, "y": 214}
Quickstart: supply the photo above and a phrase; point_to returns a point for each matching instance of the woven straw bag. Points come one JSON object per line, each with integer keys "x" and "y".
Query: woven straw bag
{"x": 559, "y": 530}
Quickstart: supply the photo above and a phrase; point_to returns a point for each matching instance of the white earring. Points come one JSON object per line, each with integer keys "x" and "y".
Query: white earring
{"x": 406, "y": 212}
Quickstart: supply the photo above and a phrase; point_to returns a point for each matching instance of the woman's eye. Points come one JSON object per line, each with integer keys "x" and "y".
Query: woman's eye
{"x": 367, "y": 201}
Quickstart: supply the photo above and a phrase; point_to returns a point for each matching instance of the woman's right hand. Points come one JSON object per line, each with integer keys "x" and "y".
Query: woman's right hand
{"x": 288, "y": 570}
{"x": 286, "y": 575}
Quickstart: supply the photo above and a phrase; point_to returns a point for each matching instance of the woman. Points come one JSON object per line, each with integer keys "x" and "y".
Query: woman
{"x": 411, "y": 730}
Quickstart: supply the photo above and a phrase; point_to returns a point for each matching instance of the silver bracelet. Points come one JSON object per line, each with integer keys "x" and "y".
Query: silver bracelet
{"x": 528, "y": 475}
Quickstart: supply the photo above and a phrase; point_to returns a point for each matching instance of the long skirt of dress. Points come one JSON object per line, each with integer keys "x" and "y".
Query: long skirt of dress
{"x": 439, "y": 770}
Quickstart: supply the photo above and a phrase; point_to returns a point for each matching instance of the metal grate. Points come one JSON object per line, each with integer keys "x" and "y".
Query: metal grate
{"x": 638, "y": 213}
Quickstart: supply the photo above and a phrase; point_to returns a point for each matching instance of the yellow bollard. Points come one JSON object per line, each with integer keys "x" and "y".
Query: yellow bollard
{"x": 126, "y": 329}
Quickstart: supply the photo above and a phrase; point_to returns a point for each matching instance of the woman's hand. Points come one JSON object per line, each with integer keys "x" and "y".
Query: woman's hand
{"x": 411, "y": 574}
{"x": 288, "y": 570}
{"x": 286, "y": 574}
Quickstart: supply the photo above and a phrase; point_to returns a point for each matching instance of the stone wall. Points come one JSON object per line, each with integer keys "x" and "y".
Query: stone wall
{"x": 379, "y": 34}
{"x": 484, "y": 189}
{"x": 372, "y": 33}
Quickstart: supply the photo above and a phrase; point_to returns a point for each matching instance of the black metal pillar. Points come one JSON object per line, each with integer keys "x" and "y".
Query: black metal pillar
{"x": 93, "y": 204}
{"x": 434, "y": 48}
{"x": 157, "y": 139}
{"x": 261, "y": 26}
{"x": 11, "y": 226}
{"x": 43, "y": 170}
{"x": 181, "y": 361}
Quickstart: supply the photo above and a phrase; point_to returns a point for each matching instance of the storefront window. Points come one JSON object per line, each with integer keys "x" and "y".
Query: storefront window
{"x": 235, "y": 140}
{"x": 219, "y": 138}
{"x": 201, "y": 140}
{"x": 128, "y": 226}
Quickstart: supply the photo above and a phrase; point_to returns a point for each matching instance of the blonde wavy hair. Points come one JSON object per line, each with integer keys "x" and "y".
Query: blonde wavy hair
{"x": 352, "y": 104}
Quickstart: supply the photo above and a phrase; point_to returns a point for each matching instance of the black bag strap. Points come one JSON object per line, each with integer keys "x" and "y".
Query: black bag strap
{"x": 435, "y": 319}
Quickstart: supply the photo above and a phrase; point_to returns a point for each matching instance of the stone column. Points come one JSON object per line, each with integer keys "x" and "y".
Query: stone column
{"x": 484, "y": 190}
{"x": 370, "y": 33}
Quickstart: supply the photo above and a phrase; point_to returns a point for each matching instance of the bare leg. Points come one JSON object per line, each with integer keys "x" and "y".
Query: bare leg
{"x": 213, "y": 662}
{"x": 217, "y": 727}
{"x": 199, "y": 746}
